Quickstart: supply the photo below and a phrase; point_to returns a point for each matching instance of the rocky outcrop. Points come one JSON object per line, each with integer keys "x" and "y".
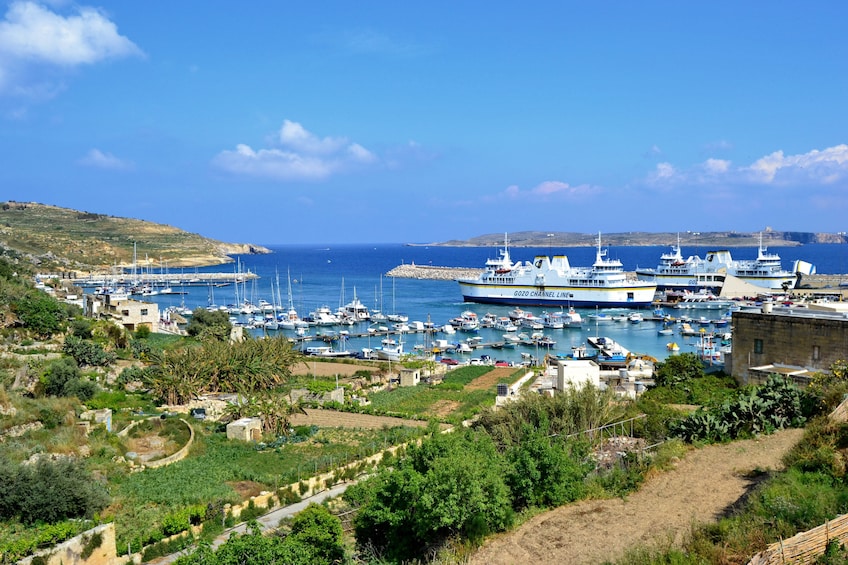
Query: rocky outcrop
{"x": 242, "y": 249}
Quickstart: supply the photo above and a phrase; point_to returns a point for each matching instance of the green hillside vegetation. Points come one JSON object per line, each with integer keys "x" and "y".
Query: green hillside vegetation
{"x": 70, "y": 239}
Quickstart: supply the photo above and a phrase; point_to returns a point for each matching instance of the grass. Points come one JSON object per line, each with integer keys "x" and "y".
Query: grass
{"x": 809, "y": 492}
{"x": 431, "y": 402}
{"x": 446, "y": 401}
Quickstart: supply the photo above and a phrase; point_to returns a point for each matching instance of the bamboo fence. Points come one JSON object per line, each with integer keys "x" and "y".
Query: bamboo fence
{"x": 805, "y": 547}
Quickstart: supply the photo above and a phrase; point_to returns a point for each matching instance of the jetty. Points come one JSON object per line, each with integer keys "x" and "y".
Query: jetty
{"x": 163, "y": 279}
{"x": 430, "y": 272}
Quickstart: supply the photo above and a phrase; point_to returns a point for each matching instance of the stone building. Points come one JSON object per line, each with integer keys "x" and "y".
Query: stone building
{"x": 410, "y": 377}
{"x": 131, "y": 314}
{"x": 796, "y": 342}
{"x": 245, "y": 429}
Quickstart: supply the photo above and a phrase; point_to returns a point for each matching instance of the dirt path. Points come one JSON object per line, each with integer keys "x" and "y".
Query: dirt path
{"x": 700, "y": 488}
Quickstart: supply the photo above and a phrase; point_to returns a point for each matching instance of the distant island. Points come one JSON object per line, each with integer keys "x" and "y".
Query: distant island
{"x": 770, "y": 237}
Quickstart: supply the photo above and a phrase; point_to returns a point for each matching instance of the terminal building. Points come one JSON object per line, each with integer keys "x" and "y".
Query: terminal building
{"x": 796, "y": 341}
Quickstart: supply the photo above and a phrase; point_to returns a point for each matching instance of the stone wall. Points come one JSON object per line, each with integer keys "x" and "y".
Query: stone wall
{"x": 179, "y": 455}
{"x": 812, "y": 342}
{"x": 71, "y": 551}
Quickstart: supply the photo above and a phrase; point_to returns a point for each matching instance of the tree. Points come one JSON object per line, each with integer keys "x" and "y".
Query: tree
{"x": 40, "y": 313}
{"x": 317, "y": 531}
{"x": 546, "y": 471}
{"x": 209, "y": 325}
{"x": 678, "y": 369}
{"x": 452, "y": 484}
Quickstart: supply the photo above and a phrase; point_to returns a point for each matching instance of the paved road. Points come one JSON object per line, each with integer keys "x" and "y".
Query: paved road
{"x": 267, "y": 522}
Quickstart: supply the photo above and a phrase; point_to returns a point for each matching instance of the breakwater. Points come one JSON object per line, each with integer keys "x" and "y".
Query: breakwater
{"x": 431, "y": 272}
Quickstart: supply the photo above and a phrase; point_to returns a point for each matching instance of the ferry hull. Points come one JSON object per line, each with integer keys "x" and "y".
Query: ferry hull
{"x": 624, "y": 297}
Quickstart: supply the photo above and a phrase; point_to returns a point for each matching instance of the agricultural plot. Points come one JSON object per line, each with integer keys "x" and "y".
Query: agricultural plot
{"x": 333, "y": 419}
{"x": 462, "y": 394}
{"x": 218, "y": 471}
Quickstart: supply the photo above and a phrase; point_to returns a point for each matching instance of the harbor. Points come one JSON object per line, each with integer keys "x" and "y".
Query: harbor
{"x": 416, "y": 306}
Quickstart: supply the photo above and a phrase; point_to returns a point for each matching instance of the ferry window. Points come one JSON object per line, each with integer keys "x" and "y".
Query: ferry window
{"x": 758, "y": 346}
{"x": 816, "y": 353}
{"x": 629, "y": 296}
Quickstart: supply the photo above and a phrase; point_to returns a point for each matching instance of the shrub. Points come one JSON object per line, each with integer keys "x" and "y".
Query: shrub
{"x": 49, "y": 491}
{"x": 777, "y": 404}
{"x": 63, "y": 378}
{"x": 87, "y": 352}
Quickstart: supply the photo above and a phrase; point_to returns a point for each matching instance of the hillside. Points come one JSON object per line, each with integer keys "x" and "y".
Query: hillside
{"x": 713, "y": 239}
{"x": 61, "y": 238}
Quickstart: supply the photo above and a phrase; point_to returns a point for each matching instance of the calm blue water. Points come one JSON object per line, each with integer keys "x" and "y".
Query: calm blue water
{"x": 318, "y": 272}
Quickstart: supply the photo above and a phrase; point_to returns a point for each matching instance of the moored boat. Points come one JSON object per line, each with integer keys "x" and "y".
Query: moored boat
{"x": 674, "y": 273}
{"x": 550, "y": 281}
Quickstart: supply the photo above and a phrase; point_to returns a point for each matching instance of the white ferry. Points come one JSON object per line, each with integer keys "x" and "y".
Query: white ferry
{"x": 709, "y": 273}
{"x": 554, "y": 282}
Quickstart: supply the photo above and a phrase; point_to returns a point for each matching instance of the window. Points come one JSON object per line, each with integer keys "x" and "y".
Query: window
{"x": 758, "y": 346}
{"x": 816, "y": 353}
{"x": 144, "y": 311}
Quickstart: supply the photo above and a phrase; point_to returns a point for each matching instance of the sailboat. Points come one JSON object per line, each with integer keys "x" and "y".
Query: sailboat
{"x": 394, "y": 316}
{"x": 377, "y": 313}
{"x": 290, "y": 320}
{"x": 271, "y": 320}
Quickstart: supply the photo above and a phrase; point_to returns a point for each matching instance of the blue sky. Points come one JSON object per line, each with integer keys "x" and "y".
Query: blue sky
{"x": 301, "y": 122}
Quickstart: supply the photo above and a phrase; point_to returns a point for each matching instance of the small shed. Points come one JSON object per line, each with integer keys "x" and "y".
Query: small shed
{"x": 245, "y": 429}
{"x": 410, "y": 377}
{"x": 577, "y": 373}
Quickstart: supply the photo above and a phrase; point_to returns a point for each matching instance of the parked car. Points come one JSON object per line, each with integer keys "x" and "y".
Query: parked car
{"x": 500, "y": 363}
{"x": 449, "y": 361}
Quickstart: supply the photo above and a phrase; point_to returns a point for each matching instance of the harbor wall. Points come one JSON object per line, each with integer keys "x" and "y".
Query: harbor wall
{"x": 431, "y": 272}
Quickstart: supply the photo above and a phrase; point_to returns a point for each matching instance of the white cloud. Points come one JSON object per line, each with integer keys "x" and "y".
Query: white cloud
{"x": 654, "y": 151}
{"x": 31, "y": 32}
{"x": 38, "y": 45}
{"x": 664, "y": 171}
{"x": 825, "y": 166}
{"x": 98, "y": 159}
{"x": 301, "y": 156}
{"x": 716, "y": 166}
{"x": 371, "y": 42}
{"x": 548, "y": 190}
{"x": 815, "y": 168}
{"x": 720, "y": 145}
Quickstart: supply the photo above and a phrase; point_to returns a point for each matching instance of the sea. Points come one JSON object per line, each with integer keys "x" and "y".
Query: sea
{"x": 331, "y": 275}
